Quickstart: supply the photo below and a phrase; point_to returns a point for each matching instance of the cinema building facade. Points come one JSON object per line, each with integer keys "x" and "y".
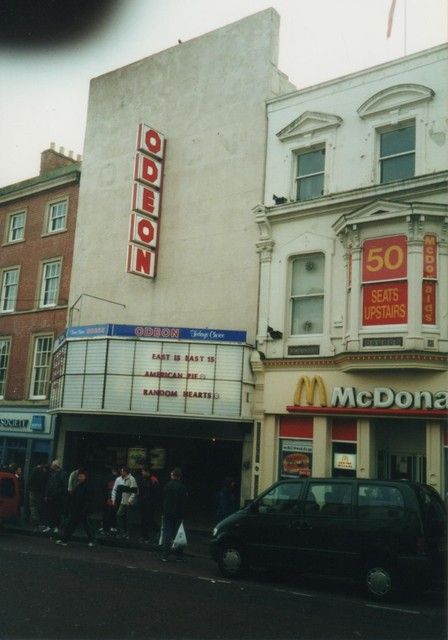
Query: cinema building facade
{"x": 154, "y": 364}
{"x": 352, "y": 345}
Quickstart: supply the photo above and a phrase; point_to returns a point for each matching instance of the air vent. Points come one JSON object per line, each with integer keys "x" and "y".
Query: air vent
{"x": 430, "y": 344}
{"x": 304, "y": 350}
{"x": 382, "y": 342}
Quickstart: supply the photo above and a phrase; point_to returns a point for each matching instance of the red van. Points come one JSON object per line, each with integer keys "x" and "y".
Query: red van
{"x": 9, "y": 496}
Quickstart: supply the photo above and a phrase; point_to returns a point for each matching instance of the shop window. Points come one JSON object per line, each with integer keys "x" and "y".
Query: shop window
{"x": 310, "y": 174}
{"x": 397, "y": 153}
{"x": 10, "y": 285}
{"x": 16, "y": 227}
{"x": 5, "y": 344}
{"x": 307, "y": 294}
{"x": 41, "y": 367}
{"x": 49, "y": 291}
{"x": 57, "y": 217}
{"x": 344, "y": 459}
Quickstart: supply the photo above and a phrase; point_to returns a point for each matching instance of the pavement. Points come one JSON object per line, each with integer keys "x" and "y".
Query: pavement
{"x": 198, "y": 540}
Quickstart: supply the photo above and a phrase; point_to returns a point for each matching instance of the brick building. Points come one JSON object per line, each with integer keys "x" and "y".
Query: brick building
{"x": 37, "y": 226}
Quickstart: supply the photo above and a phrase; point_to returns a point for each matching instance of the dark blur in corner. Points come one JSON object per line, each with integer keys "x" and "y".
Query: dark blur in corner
{"x": 52, "y": 23}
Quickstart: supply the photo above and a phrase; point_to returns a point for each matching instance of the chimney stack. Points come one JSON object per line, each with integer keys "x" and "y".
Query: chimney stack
{"x": 51, "y": 159}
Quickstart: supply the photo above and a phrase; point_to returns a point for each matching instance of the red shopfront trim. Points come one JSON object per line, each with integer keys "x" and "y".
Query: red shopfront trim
{"x": 439, "y": 414}
{"x": 344, "y": 430}
{"x": 295, "y": 427}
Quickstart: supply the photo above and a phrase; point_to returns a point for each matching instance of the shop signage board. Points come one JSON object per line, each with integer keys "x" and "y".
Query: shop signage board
{"x": 311, "y": 394}
{"x": 430, "y": 279}
{"x": 143, "y": 241}
{"x": 153, "y": 377}
{"x": 152, "y": 332}
{"x": 25, "y": 423}
{"x": 384, "y": 273}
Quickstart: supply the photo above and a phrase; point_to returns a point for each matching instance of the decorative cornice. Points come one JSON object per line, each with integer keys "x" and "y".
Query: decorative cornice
{"x": 308, "y": 123}
{"x": 347, "y": 361}
{"x": 395, "y": 98}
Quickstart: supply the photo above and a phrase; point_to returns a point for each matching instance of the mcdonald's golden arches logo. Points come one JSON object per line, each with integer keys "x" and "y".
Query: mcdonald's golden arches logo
{"x": 310, "y": 384}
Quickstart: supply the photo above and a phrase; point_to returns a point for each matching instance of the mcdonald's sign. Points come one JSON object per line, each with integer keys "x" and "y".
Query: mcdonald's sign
{"x": 310, "y": 384}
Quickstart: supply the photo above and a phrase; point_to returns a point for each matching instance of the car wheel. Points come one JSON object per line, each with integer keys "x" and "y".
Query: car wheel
{"x": 380, "y": 580}
{"x": 231, "y": 561}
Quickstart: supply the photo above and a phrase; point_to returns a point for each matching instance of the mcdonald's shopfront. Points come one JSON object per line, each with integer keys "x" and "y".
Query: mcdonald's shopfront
{"x": 371, "y": 423}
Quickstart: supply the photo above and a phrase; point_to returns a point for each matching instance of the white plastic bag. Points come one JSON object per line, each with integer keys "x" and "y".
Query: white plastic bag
{"x": 181, "y": 539}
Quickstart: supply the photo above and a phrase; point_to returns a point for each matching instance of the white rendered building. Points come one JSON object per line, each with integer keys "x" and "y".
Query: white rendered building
{"x": 353, "y": 309}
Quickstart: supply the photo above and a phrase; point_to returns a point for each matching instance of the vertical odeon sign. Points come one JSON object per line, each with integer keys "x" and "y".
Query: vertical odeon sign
{"x": 146, "y": 202}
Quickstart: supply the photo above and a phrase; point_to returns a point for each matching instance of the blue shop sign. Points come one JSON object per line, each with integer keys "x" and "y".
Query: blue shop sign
{"x": 154, "y": 332}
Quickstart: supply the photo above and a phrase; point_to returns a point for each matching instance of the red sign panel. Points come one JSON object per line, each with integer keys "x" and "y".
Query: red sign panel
{"x": 429, "y": 302}
{"x": 141, "y": 261}
{"x": 384, "y": 259}
{"x": 146, "y": 202}
{"x": 150, "y": 141}
{"x": 385, "y": 303}
{"x": 430, "y": 256}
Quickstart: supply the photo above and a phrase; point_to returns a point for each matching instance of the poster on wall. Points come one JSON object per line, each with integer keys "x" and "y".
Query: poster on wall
{"x": 344, "y": 461}
{"x": 295, "y": 458}
{"x": 137, "y": 457}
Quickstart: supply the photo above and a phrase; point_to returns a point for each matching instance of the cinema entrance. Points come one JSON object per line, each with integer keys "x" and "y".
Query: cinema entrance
{"x": 208, "y": 452}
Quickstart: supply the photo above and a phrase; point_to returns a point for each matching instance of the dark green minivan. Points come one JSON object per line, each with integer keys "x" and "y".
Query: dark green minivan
{"x": 388, "y": 534}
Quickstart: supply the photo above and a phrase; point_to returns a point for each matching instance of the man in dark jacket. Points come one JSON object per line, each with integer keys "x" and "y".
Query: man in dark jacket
{"x": 79, "y": 510}
{"x": 148, "y": 489}
{"x": 56, "y": 496}
{"x": 174, "y": 503}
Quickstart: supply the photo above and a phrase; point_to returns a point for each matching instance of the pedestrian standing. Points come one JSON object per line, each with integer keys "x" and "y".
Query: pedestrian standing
{"x": 109, "y": 521}
{"x": 174, "y": 505}
{"x": 226, "y": 499}
{"x": 36, "y": 492}
{"x": 148, "y": 485}
{"x": 55, "y": 497}
{"x": 124, "y": 496}
{"x": 79, "y": 510}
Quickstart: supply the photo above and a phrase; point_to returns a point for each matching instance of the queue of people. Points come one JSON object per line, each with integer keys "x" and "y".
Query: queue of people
{"x": 59, "y": 503}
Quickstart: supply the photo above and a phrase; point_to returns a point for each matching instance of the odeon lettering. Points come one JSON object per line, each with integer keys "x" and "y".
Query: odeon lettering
{"x": 385, "y": 397}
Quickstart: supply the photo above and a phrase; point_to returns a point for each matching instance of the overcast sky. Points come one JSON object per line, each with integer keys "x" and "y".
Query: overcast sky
{"x": 44, "y": 87}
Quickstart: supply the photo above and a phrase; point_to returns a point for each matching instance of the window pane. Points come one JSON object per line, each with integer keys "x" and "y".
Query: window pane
{"x": 281, "y": 499}
{"x": 4, "y": 358}
{"x": 41, "y": 367}
{"x": 310, "y": 188}
{"x": 307, "y": 315}
{"x": 312, "y": 162}
{"x": 397, "y": 141}
{"x": 50, "y": 284}
{"x": 398, "y": 168}
{"x": 57, "y": 216}
{"x": 9, "y": 290}
{"x": 308, "y": 275}
{"x": 16, "y": 227}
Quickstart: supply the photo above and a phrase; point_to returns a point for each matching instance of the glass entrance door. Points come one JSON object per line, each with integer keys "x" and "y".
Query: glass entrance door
{"x": 401, "y": 466}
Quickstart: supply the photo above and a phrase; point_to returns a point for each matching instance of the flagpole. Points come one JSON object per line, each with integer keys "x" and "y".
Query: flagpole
{"x": 405, "y": 25}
